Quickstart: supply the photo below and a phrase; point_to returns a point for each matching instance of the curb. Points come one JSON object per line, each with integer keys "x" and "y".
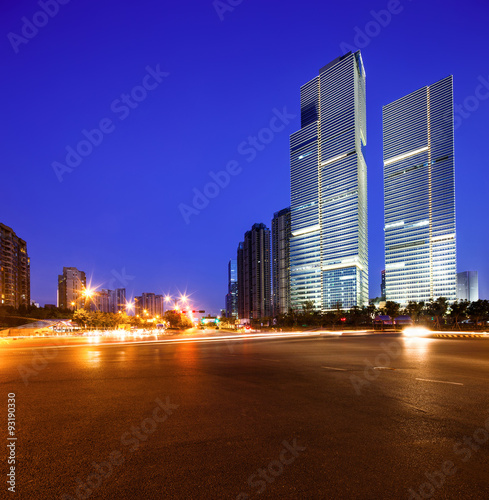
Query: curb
{"x": 463, "y": 336}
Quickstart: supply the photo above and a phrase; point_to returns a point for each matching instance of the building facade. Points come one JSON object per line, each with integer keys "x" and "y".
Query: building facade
{"x": 102, "y": 301}
{"x": 71, "y": 285}
{"x": 468, "y": 286}
{"x": 254, "y": 278}
{"x": 149, "y": 305}
{"x": 232, "y": 295}
{"x": 419, "y": 195}
{"x": 329, "y": 246}
{"x": 15, "y": 273}
{"x": 281, "y": 233}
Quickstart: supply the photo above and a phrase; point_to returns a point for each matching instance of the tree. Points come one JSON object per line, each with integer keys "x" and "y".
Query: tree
{"x": 414, "y": 309}
{"x": 80, "y": 317}
{"x": 437, "y": 310}
{"x": 478, "y": 311}
{"x": 392, "y": 309}
{"x": 177, "y": 320}
{"x": 458, "y": 312}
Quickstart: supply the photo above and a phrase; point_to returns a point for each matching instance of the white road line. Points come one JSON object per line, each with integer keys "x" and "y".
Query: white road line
{"x": 439, "y": 381}
{"x": 332, "y": 368}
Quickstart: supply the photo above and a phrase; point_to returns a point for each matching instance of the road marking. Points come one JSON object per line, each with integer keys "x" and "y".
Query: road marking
{"x": 383, "y": 368}
{"x": 332, "y": 368}
{"x": 439, "y": 381}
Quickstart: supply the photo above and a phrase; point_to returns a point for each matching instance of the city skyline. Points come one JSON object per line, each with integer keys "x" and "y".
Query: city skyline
{"x": 145, "y": 162}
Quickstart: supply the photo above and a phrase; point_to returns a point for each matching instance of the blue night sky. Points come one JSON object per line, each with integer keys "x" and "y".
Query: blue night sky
{"x": 118, "y": 214}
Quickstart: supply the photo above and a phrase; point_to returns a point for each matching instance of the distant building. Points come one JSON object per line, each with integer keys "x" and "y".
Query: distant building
{"x": 15, "y": 275}
{"x": 382, "y": 284}
{"x": 101, "y": 301}
{"x": 419, "y": 195}
{"x": 254, "y": 278}
{"x": 149, "y": 305}
{"x": 232, "y": 295}
{"x": 281, "y": 261}
{"x": 468, "y": 286}
{"x": 119, "y": 300}
{"x": 71, "y": 285}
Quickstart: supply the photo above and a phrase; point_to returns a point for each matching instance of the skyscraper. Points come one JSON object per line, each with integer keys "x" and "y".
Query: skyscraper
{"x": 15, "y": 275}
{"x": 281, "y": 261}
{"x": 71, "y": 285}
{"x": 232, "y": 295}
{"x": 468, "y": 286}
{"x": 329, "y": 247}
{"x": 254, "y": 279}
{"x": 419, "y": 195}
{"x": 382, "y": 284}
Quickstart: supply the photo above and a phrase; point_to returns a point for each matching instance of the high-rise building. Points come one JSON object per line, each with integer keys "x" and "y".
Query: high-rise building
{"x": 119, "y": 300}
{"x": 232, "y": 295}
{"x": 382, "y": 284}
{"x": 419, "y": 195}
{"x": 329, "y": 247}
{"x": 149, "y": 305}
{"x": 102, "y": 301}
{"x": 71, "y": 285}
{"x": 15, "y": 274}
{"x": 281, "y": 261}
{"x": 254, "y": 279}
{"x": 243, "y": 300}
{"x": 468, "y": 286}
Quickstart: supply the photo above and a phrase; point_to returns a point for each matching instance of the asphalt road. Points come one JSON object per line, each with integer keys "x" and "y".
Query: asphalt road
{"x": 374, "y": 417}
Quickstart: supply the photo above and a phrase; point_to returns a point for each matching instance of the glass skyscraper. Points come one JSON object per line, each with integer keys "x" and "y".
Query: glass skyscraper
{"x": 419, "y": 195}
{"x": 328, "y": 248}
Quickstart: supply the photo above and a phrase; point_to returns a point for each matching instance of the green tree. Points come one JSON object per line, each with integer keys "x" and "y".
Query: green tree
{"x": 458, "y": 312}
{"x": 436, "y": 310}
{"x": 392, "y": 309}
{"x": 80, "y": 317}
{"x": 177, "y": 320}
{"x": 414, "y": 309}
{"x": 478, "y": 311}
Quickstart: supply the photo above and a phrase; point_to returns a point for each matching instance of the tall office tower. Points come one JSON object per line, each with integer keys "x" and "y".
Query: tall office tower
{"x": 419, "y": 195}
{"x": 329, "y": 247}
{"x": 281, "y": 261}
{"x": 232, "y": 295}
{"x": 71, "y": 285}
{"x": 15, "y": 274}
{"x": 254, "y": 277}
{"x": 468, "y": 286}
